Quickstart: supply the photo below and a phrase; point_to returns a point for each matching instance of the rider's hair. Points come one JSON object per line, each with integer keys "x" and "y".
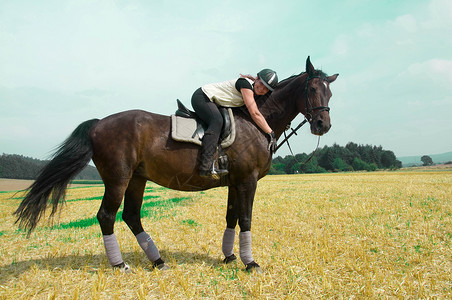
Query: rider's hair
{"x": 248, "y": 76}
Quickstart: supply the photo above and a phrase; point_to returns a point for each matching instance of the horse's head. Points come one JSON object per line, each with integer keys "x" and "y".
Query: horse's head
{"x": 317, "y": 96}
{"x": 307, "y": 93}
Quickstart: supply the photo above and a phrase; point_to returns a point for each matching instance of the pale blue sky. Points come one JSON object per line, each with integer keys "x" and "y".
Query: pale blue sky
{"x": 63, "y": 62}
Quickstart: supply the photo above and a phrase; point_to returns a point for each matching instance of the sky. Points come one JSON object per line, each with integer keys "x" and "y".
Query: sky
{"x": 64, "y": 62}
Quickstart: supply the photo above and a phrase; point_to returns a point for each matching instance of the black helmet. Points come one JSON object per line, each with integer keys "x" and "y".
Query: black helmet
{"x": 268, "y": 78}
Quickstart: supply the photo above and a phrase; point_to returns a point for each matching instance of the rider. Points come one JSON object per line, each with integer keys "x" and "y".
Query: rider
{"x": 232, "y": 93}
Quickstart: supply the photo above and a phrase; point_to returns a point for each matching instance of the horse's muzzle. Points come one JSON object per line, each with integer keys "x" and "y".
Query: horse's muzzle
{"x": 320, "y": 124}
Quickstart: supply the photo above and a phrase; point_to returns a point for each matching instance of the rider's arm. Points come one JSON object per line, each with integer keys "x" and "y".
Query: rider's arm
{"x": 258, "y": 118}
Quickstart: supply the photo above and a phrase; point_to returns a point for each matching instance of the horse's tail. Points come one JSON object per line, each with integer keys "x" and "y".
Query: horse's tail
{"x": 69, "y": 159}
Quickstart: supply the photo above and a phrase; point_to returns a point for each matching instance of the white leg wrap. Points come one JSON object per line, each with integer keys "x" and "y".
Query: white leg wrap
{"x": 245, "y": 247}
{"x": 228, "y": 242}
{"x": 112, "y": 249}
{"x": 147, "y": 244}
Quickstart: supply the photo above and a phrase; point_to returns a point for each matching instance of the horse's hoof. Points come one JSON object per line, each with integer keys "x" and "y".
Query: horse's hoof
{"x": 126, "y": 269}
{"x": 123, "y": 268}
{"x": 253, "y": 267}
{"x": 160, "y": 264}
{"x": 229, "y": 259}
{"x": 162, "y": 267}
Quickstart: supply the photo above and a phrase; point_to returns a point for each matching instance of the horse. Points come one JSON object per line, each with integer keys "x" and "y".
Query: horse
{"x": 131, "y": 147}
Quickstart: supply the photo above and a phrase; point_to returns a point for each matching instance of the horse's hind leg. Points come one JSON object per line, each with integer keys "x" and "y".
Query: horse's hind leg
{"x": 106, "y": 216}
{"x": 131, "y": 215}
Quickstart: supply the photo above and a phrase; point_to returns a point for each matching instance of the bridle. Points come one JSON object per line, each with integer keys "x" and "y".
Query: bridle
{"x": 308, "y": 117}
{"x": 309, "y": 107}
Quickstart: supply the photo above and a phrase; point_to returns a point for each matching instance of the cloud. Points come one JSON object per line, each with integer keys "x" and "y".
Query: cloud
{"x": 439, "y": 15}
{"x": 341, "y": 46}
{"x": 438, "y": 70}
{"x": 430, "y": 79}
{"x": 406, "y": 23}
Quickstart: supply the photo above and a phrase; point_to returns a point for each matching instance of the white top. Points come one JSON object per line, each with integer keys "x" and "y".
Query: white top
{"x": 224, "y": 93}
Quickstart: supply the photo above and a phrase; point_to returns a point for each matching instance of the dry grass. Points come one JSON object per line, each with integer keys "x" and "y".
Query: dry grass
{"x": 363, "y": 235}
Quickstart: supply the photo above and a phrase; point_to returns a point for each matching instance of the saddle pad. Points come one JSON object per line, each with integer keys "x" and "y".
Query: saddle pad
{"x": 184, "y": 129}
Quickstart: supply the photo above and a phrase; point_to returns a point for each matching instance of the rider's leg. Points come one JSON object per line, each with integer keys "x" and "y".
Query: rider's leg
{"x": 209, "y": 113}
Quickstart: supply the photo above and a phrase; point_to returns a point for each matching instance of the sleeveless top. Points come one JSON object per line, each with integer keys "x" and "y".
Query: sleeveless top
{"x": 225, "y": 93}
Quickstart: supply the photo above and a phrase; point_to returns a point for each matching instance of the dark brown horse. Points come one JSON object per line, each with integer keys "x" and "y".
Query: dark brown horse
{"x": 132, "y": 147}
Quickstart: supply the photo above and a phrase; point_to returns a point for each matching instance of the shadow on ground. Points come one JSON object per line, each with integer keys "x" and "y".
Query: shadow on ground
{"x": 93, "y": 263}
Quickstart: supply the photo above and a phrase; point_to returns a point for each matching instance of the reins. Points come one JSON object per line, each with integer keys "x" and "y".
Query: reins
{"x": 286, "y": 137}
{"x": 286, "y": 140}
{"x": 308, "y": 118}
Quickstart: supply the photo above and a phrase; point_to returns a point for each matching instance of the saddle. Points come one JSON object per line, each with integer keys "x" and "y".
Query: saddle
{"x": 186, "y": 126}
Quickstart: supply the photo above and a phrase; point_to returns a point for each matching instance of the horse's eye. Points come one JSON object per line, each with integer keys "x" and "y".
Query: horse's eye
{"x": 312, "y": 90}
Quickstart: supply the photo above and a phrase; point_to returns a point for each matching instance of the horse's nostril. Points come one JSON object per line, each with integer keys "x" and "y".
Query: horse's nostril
{"x": 319, "y": 124}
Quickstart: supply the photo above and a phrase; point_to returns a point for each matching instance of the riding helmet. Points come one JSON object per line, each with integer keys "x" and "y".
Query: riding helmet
{"x": 268, "y": 78}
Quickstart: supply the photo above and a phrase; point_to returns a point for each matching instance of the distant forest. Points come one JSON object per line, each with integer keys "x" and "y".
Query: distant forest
{"x": 352, "y": 157}
{"x": 15, "y": 166}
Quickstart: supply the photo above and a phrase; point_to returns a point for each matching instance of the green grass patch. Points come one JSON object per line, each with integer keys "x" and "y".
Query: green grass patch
{"x": 150, "y": 197}
{"x": 190, "y": 222}
{"x": 86, "y": 199}
{"x": 87, "y": 182}
{"x": 83, "y": 223}
{"x": 151, "y": 189}
{"x": 149, "y": 209}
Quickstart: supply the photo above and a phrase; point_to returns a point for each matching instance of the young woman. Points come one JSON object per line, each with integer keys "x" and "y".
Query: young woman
{"x": 232, "y": 93}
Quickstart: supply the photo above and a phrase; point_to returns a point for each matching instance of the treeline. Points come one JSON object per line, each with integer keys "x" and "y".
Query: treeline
{"x": 15, "y": 166}
{"x": 352, "y": 157}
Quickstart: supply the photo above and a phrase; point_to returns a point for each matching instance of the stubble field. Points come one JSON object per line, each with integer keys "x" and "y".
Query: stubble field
{"x": 343, "y": 235}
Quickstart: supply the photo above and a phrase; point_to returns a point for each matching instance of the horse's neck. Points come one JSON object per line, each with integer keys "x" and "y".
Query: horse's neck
{"x": 281, "y": 107}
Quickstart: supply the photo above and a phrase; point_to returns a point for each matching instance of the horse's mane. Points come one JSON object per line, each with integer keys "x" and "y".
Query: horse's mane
{"x": 288, "y": 80}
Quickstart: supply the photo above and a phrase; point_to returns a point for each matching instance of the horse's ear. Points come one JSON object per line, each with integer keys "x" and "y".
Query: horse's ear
{"x": 309, "y": 67}
{"x": 332, "y": 78}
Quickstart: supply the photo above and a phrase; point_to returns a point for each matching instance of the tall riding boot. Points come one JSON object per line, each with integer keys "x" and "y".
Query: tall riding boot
{"x": 209, "y": 148}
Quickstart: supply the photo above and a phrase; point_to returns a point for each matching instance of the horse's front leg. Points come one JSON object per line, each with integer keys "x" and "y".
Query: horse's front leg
{"x": 243, "y": 207}
{"x": 231, "y": 223}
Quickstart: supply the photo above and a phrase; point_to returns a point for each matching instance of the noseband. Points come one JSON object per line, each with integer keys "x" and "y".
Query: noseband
{"x": 309, "y": 108}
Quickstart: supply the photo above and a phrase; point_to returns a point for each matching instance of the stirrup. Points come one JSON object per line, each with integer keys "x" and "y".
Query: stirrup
{"x": 213, "y": 172}
{"x": 217, "y": 173}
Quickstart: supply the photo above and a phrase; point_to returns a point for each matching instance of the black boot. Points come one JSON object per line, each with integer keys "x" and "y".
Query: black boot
{"x": 208, "y": 151}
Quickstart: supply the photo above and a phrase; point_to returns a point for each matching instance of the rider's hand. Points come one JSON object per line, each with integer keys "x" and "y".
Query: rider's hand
{"x": 271, "y": 142}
